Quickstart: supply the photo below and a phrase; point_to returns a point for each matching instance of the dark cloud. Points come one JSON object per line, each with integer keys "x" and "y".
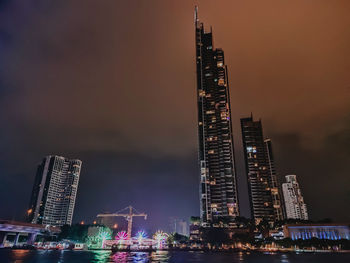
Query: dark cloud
{"x": 113, "y": 84}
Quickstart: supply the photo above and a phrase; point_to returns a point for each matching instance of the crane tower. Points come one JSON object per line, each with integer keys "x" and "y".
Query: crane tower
{"x": 128, "y": 213}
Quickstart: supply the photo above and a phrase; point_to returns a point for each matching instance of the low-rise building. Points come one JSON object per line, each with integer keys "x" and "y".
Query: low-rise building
{"x": 195, "y": 226}
{"x": 321, "y": 231}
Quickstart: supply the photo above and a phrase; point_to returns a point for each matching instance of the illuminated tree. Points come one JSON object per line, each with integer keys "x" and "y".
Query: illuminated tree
{"x": 122, "y": 235}
{"x": 161, "y": 238}
{"x": 141, "y": 235}
{"x": 98, "y": 237}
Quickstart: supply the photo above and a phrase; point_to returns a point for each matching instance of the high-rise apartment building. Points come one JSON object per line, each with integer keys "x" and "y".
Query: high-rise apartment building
{"x": 263, "y": 190}
{"x": 293, "y": 199}
{"x": 218, "y": 190}
{"x": 54, "y": 191}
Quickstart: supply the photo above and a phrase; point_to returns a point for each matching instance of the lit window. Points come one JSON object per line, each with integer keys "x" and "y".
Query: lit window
{"x": 221, "y": 82}
{"x": 251, "y": 149}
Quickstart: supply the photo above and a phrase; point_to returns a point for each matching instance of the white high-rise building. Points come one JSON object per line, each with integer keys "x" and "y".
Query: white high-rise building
{"x": 182, "y": 228}
{"x": 54, "y": 191}
{"x": 293, "y": 199}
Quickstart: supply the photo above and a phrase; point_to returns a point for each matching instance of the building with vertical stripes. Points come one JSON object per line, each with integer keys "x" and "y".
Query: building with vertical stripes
{"x": 263, "y": 188}
{"x": 54, "y": 191}
{"x": 293, "y": 199}
{"x": 218, "y": 188}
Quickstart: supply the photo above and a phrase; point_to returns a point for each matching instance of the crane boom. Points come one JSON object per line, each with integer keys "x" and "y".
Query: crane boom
{"x": 128, "y": 216}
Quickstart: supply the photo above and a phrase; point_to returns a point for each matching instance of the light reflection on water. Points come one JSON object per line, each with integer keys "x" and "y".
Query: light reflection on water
{"x": 240, "y": 256}
{"x": 284, "y": 258}
{"x": 20, "y": 255}
{"x": 105, "y": 256}
{"x": 101, "y": 256}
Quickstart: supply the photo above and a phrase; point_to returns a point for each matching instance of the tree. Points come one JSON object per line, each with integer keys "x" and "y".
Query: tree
{"x": 264, "y": 226}
{"x": 176, "y": 238}
{"x": 215, "y": 236}
{"x": 243, "y": 222}
{"x": 75, "y": 232}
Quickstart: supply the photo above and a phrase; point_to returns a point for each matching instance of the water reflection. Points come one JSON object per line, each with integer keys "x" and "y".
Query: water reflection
{"x": 240, "y": 256}
{"x": 61, "y": 257}
{"x": 121, "y": 257}
{"x": 106, "y": 256}
{"x": 20, "y": 255}
{"x": 284, "y": 258}
{"x": 160, "y": 256}
{"x": 137, "y": 257}
{"x": 101, "y": 256}
{"x": 141, "y": 257}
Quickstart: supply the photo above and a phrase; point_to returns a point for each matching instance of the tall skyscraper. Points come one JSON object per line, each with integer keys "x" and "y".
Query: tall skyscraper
{"x": 274, "y": 182}
{"x": 264, "y": 194}
{"x": 293, "y": 199}
{"x": 218, "y": 190}
{"x": 54, "y": 191}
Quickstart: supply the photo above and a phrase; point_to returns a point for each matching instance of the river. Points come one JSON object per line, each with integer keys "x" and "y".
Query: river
{"x": 41, "y": 256}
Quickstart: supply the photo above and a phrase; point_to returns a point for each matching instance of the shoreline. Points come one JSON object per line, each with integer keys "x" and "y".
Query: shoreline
{"x": 263, "y": 251}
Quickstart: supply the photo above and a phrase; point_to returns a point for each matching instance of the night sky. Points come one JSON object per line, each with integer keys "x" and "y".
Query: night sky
{"x": 113, "y": 83}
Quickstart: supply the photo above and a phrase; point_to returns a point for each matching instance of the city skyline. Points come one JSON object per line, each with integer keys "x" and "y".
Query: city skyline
{"x": 65, "y": 100}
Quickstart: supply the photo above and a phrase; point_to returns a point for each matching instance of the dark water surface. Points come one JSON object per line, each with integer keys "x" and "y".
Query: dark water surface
{"x": 32, "y": 256}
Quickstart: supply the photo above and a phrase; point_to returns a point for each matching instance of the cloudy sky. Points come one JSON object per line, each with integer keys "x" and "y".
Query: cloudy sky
{"x": 113, "y": 84}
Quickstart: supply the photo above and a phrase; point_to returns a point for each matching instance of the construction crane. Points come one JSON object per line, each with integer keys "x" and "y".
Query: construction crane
{"x": 128, "y": 213}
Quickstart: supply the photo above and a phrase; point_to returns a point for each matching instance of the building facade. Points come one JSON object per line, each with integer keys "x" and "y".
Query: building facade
{"x": 218, "y": 190}
{"x": 182, "y": 228}
{"x": 263, "y": 187}
{"x": 179, "y": 226}
{"x": 276, "y": 191}
{"x": 195, "y": 226}
{"x": 54, "y": 191}
{"x": 293, "y": 199}
{"x": 320, "y": 231}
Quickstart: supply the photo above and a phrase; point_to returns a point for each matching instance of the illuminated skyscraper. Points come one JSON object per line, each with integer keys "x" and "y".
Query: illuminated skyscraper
{"x": 54, "y": 191}
{"x": 218, "y": 190}
{"x": 274, "y": 182}
{"x": 293, "y": 199}
{"x": 264, "y": 193}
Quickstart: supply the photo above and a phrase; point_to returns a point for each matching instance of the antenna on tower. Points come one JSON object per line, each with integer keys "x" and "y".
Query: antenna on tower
{"x": 196, "y": 14}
